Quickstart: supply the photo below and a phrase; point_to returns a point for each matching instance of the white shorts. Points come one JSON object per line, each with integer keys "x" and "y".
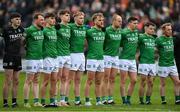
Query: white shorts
{"x": 34, "y": 66}
{"x": 111, "y": 62}
{"x": 77, "y": 62}
{"x": 147, "y": 69}
{"x": 64, "y": 61}
{"x": 95, "y": 65}
{"x": 127, "y": 65}
{"x": 50, "y": 65}
{"x": 166, "y": 71}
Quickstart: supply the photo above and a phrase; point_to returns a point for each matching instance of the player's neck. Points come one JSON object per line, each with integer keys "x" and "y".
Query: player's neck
{"x": 115, "y": 28}
{"x": 77, "y": 24}
{"x": 48, "y": 25}
{"x": 130, "y": 28}
{"x": 64, "y": 23}
{"x": 38, "y": 27}
{"x": 98, "y": 27}
{"x": 14, "y": 26}
{"x": 147, "y": 34}
{"x": 167, "y": 36}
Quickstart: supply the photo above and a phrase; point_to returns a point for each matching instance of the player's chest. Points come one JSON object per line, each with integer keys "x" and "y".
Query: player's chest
{"x": 65, "y": 33}
{"x": 37, "y": 35}
{"x": 167, "y": 45}
{"x": 14, "y": 35}
{"x": 115, "y": 36}
{"x": 98, "y": 36}
{"x": 132, "y": 37}
{"x": 78, "y": 33}
{"x": 149, "y": 43}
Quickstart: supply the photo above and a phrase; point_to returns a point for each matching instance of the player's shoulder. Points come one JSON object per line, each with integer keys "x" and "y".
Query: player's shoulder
{"x": 125, "y": 31}
{"x": 21, "y": 28}
{"x": 108, "y": 28}
{"x": 91, "y": 29}
{"x": 142, "y": 35}
{"x": 159, "y": 39}
{"x": 29, "y": 28}
{"x": 68, "y": 25}
{"x": 71, "y": 25}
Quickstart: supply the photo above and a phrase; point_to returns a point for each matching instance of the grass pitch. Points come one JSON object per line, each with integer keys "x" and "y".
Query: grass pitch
{"x": 155, "y": 99}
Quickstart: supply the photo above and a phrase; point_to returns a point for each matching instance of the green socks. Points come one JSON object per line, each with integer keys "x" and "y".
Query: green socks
{"x": 128, "y": 98}
{"x": 52, "y": 100}
{"x": 36, "y": 100}
{"x": 123, "y": 99}
{"x": 110, "y": 98}
{"x": 141, "y": 99}
{"x": 42, "y": 101}
{"x": 98, "y": 99}
{"x": 103, "y": 98}
{"x": 25, "y": 100}
{"x": 163, "y": 98}
{"x": 177, "y": 98}
{"x": 77, "y": 98}
{"x": 66, "y": 99}
{"x": 148, "y": 98}
{"x": 87, "y": 99}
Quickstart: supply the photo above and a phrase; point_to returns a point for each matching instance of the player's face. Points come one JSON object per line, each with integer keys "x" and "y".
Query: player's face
{"x": 133, "y": 24}
{"x": 40, "y": 21}
{"x": 79, "y": 20}
{"x": 16, "y": 21}
{"x": 99, "y": 22}
{"x": 150, "y": 30}
{"x": 51, "y": 21}
{"x": 117, "y": 22}
{"x": 65, "y": 18}
{"x": 168, "y": 31}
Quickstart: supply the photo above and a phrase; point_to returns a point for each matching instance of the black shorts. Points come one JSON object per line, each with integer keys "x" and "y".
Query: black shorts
{"x": 12, "y": 62}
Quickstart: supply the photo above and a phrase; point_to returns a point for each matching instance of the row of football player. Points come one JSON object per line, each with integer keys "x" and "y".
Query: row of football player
{"x": 59, "y": 50}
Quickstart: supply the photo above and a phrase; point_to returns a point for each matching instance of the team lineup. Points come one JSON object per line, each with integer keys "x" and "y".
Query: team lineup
{"x": 56, "y": 51}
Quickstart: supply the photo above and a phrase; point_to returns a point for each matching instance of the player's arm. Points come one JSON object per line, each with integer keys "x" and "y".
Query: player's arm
{"x": 156, "y": 48}
{"x": 26, "y": 35}
{"x": 87, "y": 27}
{"x": 139, "y": 43}
{"x": 23, "y": 39}
{"x": 3, "y": 34}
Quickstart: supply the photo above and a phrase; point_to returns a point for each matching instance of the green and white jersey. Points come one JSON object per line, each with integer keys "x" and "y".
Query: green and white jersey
{"x": 77, "y": 39}
{"x": 34, "y": 43}
{"x": 146, "y": 44}
{"x": 95, "y": 39}
{"x": 112, "y": 41}
{"x": 129, "y": 44}
{"x": 50, "y": 42}
{"x": 165, "y": 48}
{"x": 63, "y": 37}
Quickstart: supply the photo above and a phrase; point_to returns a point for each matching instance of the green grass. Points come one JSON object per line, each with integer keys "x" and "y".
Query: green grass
{"x": 156, "y": 100}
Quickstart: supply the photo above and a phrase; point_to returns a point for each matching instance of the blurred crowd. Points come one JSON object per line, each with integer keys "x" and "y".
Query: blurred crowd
{"x": 158, "y": 11}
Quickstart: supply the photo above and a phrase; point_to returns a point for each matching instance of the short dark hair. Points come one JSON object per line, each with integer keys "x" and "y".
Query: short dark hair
{"x": 14, "y": 15}
{"x": 36, "y": 15}
{"x": 47, "y": 15}
{"x": 163, "y": 26}
{"x": 130, "y": 19}
{"x": 64, "y": 11}
{"x": 147, "y": 24}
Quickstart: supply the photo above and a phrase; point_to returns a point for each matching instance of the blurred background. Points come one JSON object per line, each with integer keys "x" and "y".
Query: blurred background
{"x": 158, "y": 11}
